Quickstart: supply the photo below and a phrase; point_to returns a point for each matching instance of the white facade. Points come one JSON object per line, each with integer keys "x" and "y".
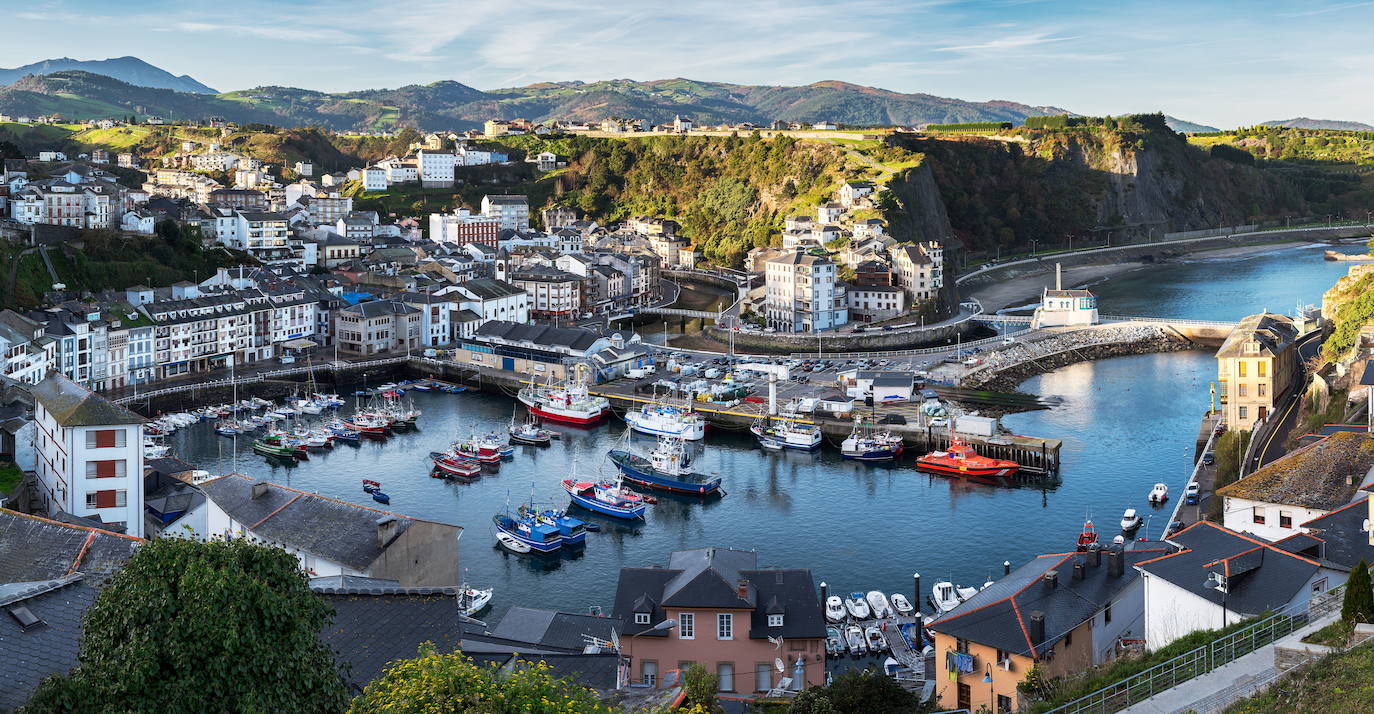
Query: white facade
{"x": 1270, "y": 521}
{"x": 374, "y": 179}
{"x": 436, "y": 167}
{"x": 803, "y": 294}
{"x": 513, "y": 212}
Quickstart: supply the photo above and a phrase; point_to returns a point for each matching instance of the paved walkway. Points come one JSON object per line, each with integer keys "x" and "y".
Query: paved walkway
{"x": 1214, "y": 691}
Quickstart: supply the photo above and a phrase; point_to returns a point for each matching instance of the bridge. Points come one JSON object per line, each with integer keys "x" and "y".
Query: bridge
{"x": 679, "y": 312}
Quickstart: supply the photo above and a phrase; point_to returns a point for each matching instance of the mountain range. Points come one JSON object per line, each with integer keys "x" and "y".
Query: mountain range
{"x": 1306, "y": 123}
{"x": 130, "y": 86}
{"x": 126, "y": 69}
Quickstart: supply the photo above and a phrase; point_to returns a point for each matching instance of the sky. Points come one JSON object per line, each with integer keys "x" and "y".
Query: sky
{"x": 1215, "y": 62}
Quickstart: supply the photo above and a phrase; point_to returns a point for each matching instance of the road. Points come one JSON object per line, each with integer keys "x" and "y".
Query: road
{"x": 1275, "y": 439}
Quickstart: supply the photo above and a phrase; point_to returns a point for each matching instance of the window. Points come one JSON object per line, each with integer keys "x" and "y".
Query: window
{"x": 1107, "y": 614}
{"x": 684, "y": 665}
{"x": 1261, "y": 368}
{"x": 1003, "y": 704}
{"x": 961, "y": 645}
{"x": 725, "y": 626}
{"x": 686, "y": 626}
{"x": 1319, "y": 586}
{"x": 1260, "y": 390}
{"x": 763, "y": 676}
{"x": 105, "y": 469}
{"x": 1242, "y": 412}
{"x": 1242, "y": 390}
{"x": 641, "y": 618}
{"x": 775, "y": 620}
{"x": 1259, "y": 515}
{"x": 725, "y": 673}
{"x": 105, "y": 499}
{"x": 105, "y": 438}
{"x": 1240, "y": 368}
{"x": 1285, "y": 519}
{"x": 648, "y": 672}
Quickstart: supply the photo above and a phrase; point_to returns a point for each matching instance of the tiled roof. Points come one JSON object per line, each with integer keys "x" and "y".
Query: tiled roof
{"x": 548, "y": 628}
{"x": 1265, "y": 576}
{"x": 33, "y": 548}
{"x": 573, "y": 338}
{"x": 1274, "y": 333}
{"x": 50, "y": 648}
{"x": 73, "y": 405}
{"x": 371, "y": 629}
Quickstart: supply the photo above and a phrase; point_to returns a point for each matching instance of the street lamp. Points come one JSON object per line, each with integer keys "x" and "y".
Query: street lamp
{"x": 1215, "y": 581}
{"x": 660, "y": 627}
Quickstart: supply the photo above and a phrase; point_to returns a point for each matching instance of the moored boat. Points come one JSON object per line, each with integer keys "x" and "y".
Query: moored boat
{"x": 854, "y": 635}
{"x": 529, "y": 531}
{"x": 529, "y": 432}
{"x": 945, "y": 596}
{"x": 902, "y": 605}
{"x": 961, "y": 460}
{"x": 786, "y": 434}
{"x": 607, "y": 498}
{"x": 866, "y": 444}
{"x": 274, "y": 445}
{"x": 658, "y": 419}
{"x": 472, "y": 600}
{"x": 878, "y": 602}
{"x": 512, "y": 543}
{"x": 874, "y": 639}
{"x": 569, "y": 403}
{"x": 1130, "y": 520}
{"x": 1159, "y": 494}
{"x": 857, "y": 606}
{"x": 834, "y": 609}
{"x": 451, "y": 464}
{"x": 667, "y": 468}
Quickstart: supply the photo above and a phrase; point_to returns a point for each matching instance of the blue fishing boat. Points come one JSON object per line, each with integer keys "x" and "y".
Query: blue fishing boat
{"x": 667, "y": 468}
{"x": 610, "y": 499}
{"x": 529, "y": 531}
{"x": 573, "y": 531}
{"x": 380, "y": 497}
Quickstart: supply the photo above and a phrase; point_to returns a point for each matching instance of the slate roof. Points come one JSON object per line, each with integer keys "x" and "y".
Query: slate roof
{"x": 1342, "y": 534}
{"x": 1262, "y": 575}
{"x": 338, "y": 531}
{"x": 33, "y": 548}
{"x": 573, "y": 338}
{"x": 549, "y": 628}
{"x": 1068, "y": 293}
{"x": 1274, "y": 333}
{"x": 47, "y": 649}
{"x": 709, "y": 578}
{"x": 369, "y": 630}
{"x": 379, "y": 308}
{"x": 1324, "y": 475}
{"x": 73, "y": 405}
{"x": 996, "y": 615}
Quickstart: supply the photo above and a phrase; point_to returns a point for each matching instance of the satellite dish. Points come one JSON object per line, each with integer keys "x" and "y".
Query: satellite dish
{"x": 1365, "y": 526}
{"x": 777, "y": 662}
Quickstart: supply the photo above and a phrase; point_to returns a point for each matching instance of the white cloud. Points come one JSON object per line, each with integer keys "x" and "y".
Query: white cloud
{"x": 1008, "y": 42}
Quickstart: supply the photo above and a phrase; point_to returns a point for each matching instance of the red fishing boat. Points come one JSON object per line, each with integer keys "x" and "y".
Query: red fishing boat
{"x": 1088, "y": 537}
{"x": 961, "y": 460}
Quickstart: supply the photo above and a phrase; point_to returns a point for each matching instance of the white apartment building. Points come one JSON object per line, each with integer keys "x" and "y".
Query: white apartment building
{"x": 513, "y": 212}
{"x": 494, "y": 300}
{"x": 89, "y": 454}
{"x": 25, "y": 353}
{"x": 436, "y": 168}
{"x": 374, "y": 178}
{"x": 870, "y": 303}
{"x": 463, "y": 226}
{"x": 918, "y": 269}
{"x": 803, "y": 294}
{"x": 60, "y": 203}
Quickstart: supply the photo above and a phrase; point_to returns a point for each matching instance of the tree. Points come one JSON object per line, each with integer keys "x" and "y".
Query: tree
{"x": 866, "y": 691}
{"x": 699, "y": 688}
{"x": 442, "y": 683}
{"x": 1358, "y": 605}
{"x": 188, "y": 626}
{"x": 1370, "y": 243}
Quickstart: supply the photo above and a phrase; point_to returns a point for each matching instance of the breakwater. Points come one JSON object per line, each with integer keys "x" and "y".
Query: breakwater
{"x": 1006, "y": 369}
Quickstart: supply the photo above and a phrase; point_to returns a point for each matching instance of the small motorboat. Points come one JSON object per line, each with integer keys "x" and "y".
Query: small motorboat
{"x": 450, "y": 464}
{"x": 511, "y": 543}
{"x": 834, "y": 642}
{"x": 371, "y": 486}
{"x": 878, "y": 602}
{"x": 529, "y": 433}
{"x": 960, "y": 459}
{"x": 1088, "y": 538}
{"x": 422, "y": 388}
{"x": 472, "y": 601}
{"x": 380, "y": 497}
{"x": 857, "y": 606}
{"x": 1130, "y": 520}
{"x": 875, "y": 640}
{"x": 902, "y": 605}
{"x": 834, "y": 609}
{"x": 945, "y": 596}
{"x": 1159, "y": 494}
{"x": 854, "y": 637}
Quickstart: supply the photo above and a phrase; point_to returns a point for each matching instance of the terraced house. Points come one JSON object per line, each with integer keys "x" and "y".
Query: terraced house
{"x": 1256, "y": 366}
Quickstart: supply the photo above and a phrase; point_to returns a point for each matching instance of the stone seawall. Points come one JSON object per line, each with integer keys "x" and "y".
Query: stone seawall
{"x": 874, "y": 341}
{"x": 1004, "y": 370}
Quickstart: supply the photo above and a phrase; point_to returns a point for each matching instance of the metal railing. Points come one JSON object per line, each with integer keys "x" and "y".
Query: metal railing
{"x": 1202, "y": 659}
{"x": 1166, "y": 321}
{"x": 260, "y": 376}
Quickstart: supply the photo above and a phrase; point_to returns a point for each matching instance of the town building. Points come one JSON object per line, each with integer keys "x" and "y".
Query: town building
{"x": 333, "y": 537}
{"x": 378, "y": 326}
{"x": 558, "y": 216}
{"x": 724, "y": 609}
{"x": 1339, "y": 540}
{"x": 871, "y": 303}
{"x": 89, "y": 456}
{"x": 512, "y": 212}
{"x": 803, "y": 294}
{"x": 852, "y": 192}
{"x": 553, "y": 293}
{"x": 1278, "y": 498}
{"x": 541, "y": 351}
{"x": 494, "y": 300}
{"x": 462, "y": 226}
{"x": 918, "y": 269}
{"x": 1256, "y": 367}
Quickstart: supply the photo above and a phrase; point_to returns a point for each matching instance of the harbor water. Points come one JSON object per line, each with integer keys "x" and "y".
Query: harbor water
{"x": 1126, "y": 423}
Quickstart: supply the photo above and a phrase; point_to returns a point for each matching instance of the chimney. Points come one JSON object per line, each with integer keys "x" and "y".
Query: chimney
{"x": 1051, "y": 578}
{"x": 386, "y": 530}
{"x": 1058, "y": 279}
{"x": 1036, "y": 627}
{"x": 1115, "y": 563}
{"x": 1078, "y": 570}
{"x": 260, "y": 489}
{"x": 1094, "y": 555}
{"x": 742, "y": 588}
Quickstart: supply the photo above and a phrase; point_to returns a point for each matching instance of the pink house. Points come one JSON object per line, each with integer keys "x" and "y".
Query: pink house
{"x": 724, "y": 609}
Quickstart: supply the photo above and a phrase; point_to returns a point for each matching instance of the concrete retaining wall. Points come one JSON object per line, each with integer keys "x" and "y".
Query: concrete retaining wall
{"x": 787, "y": 342}
{"x": 1095, "y": 344}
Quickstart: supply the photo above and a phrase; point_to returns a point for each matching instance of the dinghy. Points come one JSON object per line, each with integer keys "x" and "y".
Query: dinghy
{"x": 901, "y": 604}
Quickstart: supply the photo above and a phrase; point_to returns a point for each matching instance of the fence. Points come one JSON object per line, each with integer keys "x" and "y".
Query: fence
{"x": 259, "y": 376}
{"x": 1201, "y": 660}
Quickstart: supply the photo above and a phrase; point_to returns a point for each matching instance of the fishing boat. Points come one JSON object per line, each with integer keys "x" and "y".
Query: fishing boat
{"x": 1130, "y": 520}
{"x": 1159, "y": 494}
{"x": 854, "y": 635}
{"x": 1088, "y": 537}
{"x": 529, "y": 432}
{"x": 857, "y": 606}
{"x": 486, "y": 449}
{"x": 945, "y": 596}
{"x": 662, "y": 419}
{"x": 667, "y": 468}
{"x": 878, "y": 602}
{"x": 369, "y": 423}
{"x": 902, "y": 605}
{"x": 834, "y": 641}
{"x": 874, "y": 639}
{"x": 380, "y": 497}
{"x": 866, "y": 444}
{"x": 569, "y": 403}
{"x": 511, "y": 543}
{"x": 778, "y": 434}
{"x": 472, "y": 600}
{"x": 573, "y": 531}
{"x": 228, "y": 428}
{"x": 961, "y": 460}
{"x": 611, "y": 499}
{"x": 450, "y": 464}
{"x": 834, "y": 609}
{"x": 530, "y": 532}
{"x": 275, "y": 445}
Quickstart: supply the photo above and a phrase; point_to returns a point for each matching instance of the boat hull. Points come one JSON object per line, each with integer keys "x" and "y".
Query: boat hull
{"x": 590, "y": 503}
{"x": 879, "y": 454}
{"x": 649, "y": 477}
{"x": 687, "y": 432}
{"x": 972, "y": 472}
{"x": 774, "y": 442}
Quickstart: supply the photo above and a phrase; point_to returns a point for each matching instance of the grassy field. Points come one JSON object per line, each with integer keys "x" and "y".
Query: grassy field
{"x": 1339, "y": 683}
{"x": 10, "y": 476}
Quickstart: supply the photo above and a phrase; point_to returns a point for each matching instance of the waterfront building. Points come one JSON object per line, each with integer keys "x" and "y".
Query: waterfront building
{"x": 1256, "y": 366}
{"x": 918, "y": 269}
{"x": 725, "y": 608}
{"x": 803, "y": 294}
{"x": 871, "y": 303}
{"x": 512, "y": 212}
{"x": 333, "y": 537}
{"x": 435, "y": 314}
{"x": 1277, "y": 499}
{"x": 1062, "y": 613}
{"x": 1060, "y": 307}
{"x": 378, "y": 326}
{"x": 89, "y": 456}
{"x": 553, "y": 293}
{"x": 538, "y": 350}
{"x": 1219, "y": 577}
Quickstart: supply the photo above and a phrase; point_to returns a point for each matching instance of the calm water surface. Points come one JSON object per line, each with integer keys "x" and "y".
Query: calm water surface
{"x": 1126, "y": 423}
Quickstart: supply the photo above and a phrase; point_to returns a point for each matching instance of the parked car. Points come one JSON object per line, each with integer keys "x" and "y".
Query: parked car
{"x": 1008, "y": 340}
{"x": 1208, "y": 458}
{"x": 1191, "y": 492}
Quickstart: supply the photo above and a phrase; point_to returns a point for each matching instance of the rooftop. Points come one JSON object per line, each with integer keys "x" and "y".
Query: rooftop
{"x": 1343, "y": 537}
{"x": 1261, "y": 576}
{"x": 1325, "y": 475}
{"x": 1273, "y": 333}
{"x": 74, "y": 405}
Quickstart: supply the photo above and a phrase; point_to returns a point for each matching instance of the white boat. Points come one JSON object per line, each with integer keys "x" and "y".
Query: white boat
{"x": 834, "y": 609}
{"x": 878, "y": 601}
{"x": 834, "y": 641}
{"x": 857, "y": 607}
{"x": 155, "y": 451}
{"x": 658, "y": 419}
{"x": 875, "y": 640}
{"x": 569, "y": 403}
{"x": 1159, "y": 494}
{"x": 787, "y": 434}
{"x": 945, "y": 596}
{"x": 1130, "y": 520}
{"x": 472, "y": 601}
{"x": 511, "y": 543}
{"x": 901, "y": 604}
{"x": 855, "y": 639}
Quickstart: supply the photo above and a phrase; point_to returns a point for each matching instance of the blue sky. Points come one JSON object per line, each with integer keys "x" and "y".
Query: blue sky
{"x": 1221, "y": 63}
